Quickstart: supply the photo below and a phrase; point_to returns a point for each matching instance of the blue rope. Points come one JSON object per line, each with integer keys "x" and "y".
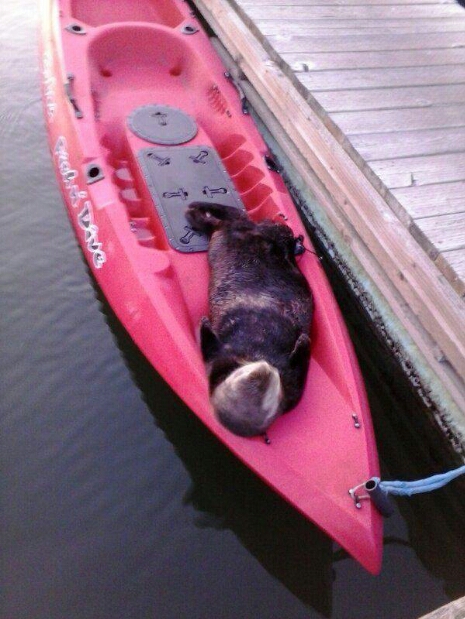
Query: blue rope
{"x": 407, "y": 488}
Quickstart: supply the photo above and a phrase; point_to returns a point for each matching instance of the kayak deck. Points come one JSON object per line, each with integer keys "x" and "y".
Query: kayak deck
{"x": 119, "y": 58}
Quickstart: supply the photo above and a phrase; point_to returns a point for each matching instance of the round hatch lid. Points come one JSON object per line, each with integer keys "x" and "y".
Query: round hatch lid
{"x": 162, "y": 124}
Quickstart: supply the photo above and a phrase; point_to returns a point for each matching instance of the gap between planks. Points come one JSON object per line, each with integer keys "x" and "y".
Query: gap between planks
{"x": 361, "y": 43}
{"x": 432, "y": 199}
{"x": 385, "y": 121}
{"x": 424, "y": 170}
{"x": 392, "y": 98}
{"x": 386, "y": 77}
{"x": 354, "y": 12}
{"x": 445, "y": 232}
{"x": 343, "y": 2}
{"x": 344, "y": 27}
{"x": 376, "y": 146}
{"x": 324, "y": 61}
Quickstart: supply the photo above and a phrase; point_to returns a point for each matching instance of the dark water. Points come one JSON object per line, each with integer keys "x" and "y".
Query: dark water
{"x": 115, "y": 502}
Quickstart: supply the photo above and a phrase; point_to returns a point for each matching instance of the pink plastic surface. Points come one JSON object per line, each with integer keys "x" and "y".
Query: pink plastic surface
{"x": 133, "y": 54}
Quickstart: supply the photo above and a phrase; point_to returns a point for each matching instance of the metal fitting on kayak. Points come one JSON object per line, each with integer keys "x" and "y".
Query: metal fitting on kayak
{"x": 189, "y": 29}
{"x": 243, "y": 98}
{"x": 76, "y": 29}
{"x": 271, "y": 164}
{"x": 378, "y": 490}
{"x": 94, "y": 173}
{"x": 379, "y": 497}
{"x": 372, "y": 491}
{"x": 357, "y": 498}
{"x": 71, "y": 97}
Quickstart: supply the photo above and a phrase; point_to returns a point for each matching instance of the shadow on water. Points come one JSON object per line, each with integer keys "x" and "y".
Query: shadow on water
{"x": 227, "y": 495}
{"x": 411, "y": 446}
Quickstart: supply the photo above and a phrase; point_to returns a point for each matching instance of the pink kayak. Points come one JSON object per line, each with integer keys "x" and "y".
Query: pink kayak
{"x": 141, "y": 121}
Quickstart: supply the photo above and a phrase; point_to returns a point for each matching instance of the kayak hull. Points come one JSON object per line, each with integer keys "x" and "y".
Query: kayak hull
{"x": 100, "y": 62}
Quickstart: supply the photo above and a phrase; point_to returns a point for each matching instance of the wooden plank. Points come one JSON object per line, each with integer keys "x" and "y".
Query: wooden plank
{"x": 395, "y": 77}
{"x": 392, "y": 98}
{"x": 381, "y": 42}
{"x": 334, "y": 27}
{"x": 428, "y": 200}
{"x": 421, "y": 298}
{"x": 454, "y": 610}
{"x": 339, "y": 2}
{"x": 456, "y": 259}
{"x": 445, "y": 232}
{"x": 400, "y": 120}
{"x": 454, "y": 271}
{"x": 322, "y": 61}
{"x": 374, "y": 146}
{"x": 420, "y": 170}
{"x": 396, "y": 11}
{"x": 365, "y": 60}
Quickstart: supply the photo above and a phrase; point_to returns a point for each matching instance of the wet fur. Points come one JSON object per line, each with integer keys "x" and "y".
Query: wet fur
{"x": 260, "y": 309}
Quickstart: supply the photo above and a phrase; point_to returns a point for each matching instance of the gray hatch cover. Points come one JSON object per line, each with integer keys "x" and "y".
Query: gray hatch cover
{"x": 162, "y": 124}
{"x": 178, "y": 176}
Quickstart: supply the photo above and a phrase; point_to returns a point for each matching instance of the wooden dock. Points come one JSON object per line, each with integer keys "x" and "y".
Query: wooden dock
{"x": 366, "y": 99}
{"x": 454, "y": 610}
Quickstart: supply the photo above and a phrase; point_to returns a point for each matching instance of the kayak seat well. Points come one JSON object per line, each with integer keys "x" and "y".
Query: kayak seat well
{"x": 134, "y": 66}
{"x": 101, "y": 12}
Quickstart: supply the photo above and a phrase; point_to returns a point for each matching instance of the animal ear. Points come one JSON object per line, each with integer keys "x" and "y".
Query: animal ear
{"x": 301, "y": 351}
{"x": 209, "y": 342}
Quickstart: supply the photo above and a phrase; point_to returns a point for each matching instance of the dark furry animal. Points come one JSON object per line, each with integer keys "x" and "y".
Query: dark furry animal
{"x": 256, "y": 342}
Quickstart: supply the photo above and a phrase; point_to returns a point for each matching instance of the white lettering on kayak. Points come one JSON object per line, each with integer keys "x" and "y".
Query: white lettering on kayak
{"x": 86, "y": 221}
{"x": 49, "y": 86}
{"x": 77, "y": 197}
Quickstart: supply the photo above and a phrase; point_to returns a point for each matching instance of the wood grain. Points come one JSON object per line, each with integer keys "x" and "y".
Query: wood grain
{"x": 357, "y": 79}
{"x": 384, "y": 121}
{"x": 454, "y": 610}
{"x": 392, "y": 98}
{"x": 456, "y": 258}
{"x": 446, "y": 232}
{"x": 425, "y": 170}
{"x": 429, "y": 200}
{"x": 372, "y": 42}
{"x": 374, "y": 146}
{"x": 345, "y": 11}
{"x": 308, "y": 26}
{"x": 364, "y": 60}
{"x": 308, "y": 3}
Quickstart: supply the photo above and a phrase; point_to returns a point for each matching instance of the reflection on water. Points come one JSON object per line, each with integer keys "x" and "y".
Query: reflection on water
{"x": 226, "y": 495}
{"x": 115, "y": 500}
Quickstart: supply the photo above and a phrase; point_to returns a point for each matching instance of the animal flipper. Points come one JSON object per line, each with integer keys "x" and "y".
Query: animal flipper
{"x": 206, "y": 216}
{"x": 209, "y": 342}
{"x": 301, "y": 352}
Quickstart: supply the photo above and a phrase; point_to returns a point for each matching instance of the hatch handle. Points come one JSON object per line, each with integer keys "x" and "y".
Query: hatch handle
{"x": 70, "y": 95}
{"x": 243, "y": 98}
